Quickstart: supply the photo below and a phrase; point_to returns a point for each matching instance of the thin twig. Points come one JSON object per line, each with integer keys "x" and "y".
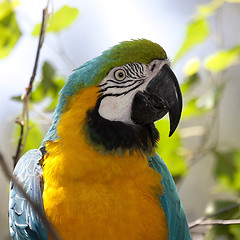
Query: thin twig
{"x": 26, "y": 117}
{"x": 40, "y": 43}
{"x": 220, "y": 222}
{"x": 24, "y": 122}
{"x": 35, "y": 207}
{"x": 18, "y": 151}
{"x": 203, "y": 219}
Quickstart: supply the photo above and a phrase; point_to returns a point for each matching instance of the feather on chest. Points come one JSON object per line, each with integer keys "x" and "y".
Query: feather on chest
{"x": 108, "y": 198}
{"x": 91, "y": 195}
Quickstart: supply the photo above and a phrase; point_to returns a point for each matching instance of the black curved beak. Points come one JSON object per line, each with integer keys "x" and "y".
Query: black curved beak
{"x": 162, "y": 95}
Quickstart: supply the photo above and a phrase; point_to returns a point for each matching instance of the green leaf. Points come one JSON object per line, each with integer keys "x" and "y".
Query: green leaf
{"x": 34, "y": 138}
{"x": 198, "y": 106}
{"x": 189, "y": 82}
{"x": 9, "y": 29}
{"x": 235, "y": 230}
{"x": 209, "y": 8}
{"x": 49, "y": 87}
{"x": 17, "y": 98}
{"x": 227, "y": 169}
{"x": 170, "y": 149}
{"x": 224, "y": 167}
{"x": 59, "y": 83}
{"x": 222, "y": 60}
{"x": 38, "y": 94}
{"x": 190, "y": 108}
{"x": 45, "y": 85}
{"x": 48, "y": 74}
{"x": 6, "y": 8}
{"x": 236, "y": 182}
{"x": 51, "y": 107}
{"x": 192, "y": 67}
{"x": 62, "y": 19}
{"x": 197, "y": 32}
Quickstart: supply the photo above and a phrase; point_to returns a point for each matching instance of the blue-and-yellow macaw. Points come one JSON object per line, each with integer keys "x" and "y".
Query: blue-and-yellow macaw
{"x": 96, "y": 174}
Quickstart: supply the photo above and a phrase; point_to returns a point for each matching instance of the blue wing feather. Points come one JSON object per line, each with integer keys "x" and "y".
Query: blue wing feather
{"x": 24, "y": 223}
{"x": 170, "y": 202}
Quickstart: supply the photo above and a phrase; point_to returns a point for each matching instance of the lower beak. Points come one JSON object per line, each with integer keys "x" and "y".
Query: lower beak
{"x": 162, "y": 95}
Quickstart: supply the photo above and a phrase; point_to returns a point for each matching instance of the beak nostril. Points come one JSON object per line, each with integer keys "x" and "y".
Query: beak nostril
{"x": 153, "y": 66}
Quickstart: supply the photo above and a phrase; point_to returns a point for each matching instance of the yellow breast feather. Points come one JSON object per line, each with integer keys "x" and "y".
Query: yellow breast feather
{"x": 88, "y": 195}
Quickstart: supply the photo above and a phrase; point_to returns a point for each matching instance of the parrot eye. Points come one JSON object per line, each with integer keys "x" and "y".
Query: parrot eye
{"x": 120, "y": 74}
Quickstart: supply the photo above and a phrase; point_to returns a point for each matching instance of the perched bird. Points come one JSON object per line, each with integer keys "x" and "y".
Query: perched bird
{"x": 96, "y": 174}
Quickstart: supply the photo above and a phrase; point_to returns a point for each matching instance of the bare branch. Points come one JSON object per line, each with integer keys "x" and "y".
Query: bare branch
{"x": 36, "y": 208}
{"x": 19, "y": 147}
{"x": 40, "y": 43}
{"x": 24, "y": 123}
{"x": 204, "y": 220}
{"x": 219, "y": 222}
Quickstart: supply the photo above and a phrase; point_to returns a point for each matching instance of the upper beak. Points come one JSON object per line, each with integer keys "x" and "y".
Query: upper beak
{"x": 162, "y": 95}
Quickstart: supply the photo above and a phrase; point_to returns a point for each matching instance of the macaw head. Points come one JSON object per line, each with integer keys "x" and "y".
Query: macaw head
{"x": 136, "y": 87}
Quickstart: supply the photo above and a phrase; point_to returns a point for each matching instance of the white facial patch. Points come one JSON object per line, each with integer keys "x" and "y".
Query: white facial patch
{"x": 120, "y": 86}
{"x": 117, "y": 108}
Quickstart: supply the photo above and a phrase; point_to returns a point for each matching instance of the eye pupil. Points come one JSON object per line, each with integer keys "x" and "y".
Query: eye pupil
{"x": 120, "y": 74}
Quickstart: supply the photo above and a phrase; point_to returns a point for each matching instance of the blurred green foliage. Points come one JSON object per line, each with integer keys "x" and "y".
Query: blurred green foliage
{"x": 197, "y": 32}
{"x": 223, "y": 59}
{"x": 60, "y": 20}
{"x": 9, "y": 29}
{"x": 171, "y": 149}
{"x": 227, "y": 169}
{"x": 45, "y": 93}
{"x": 48, "y": 88}
{"x": 35, "y": 135}
{"x": 197, "y": 103}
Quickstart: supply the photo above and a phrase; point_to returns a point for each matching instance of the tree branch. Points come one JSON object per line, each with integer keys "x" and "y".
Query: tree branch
{"x": 35, "y": 207}
{"x": 23, "y": 120}
{"x": 40, "y": 43}
{"x": 204, "y": 220}
{"x": 218, "y": 222}
{"x": 18, "y": 151}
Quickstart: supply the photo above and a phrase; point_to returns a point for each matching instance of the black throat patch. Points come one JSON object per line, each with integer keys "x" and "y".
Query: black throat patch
{"x": 115, "y": 136}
